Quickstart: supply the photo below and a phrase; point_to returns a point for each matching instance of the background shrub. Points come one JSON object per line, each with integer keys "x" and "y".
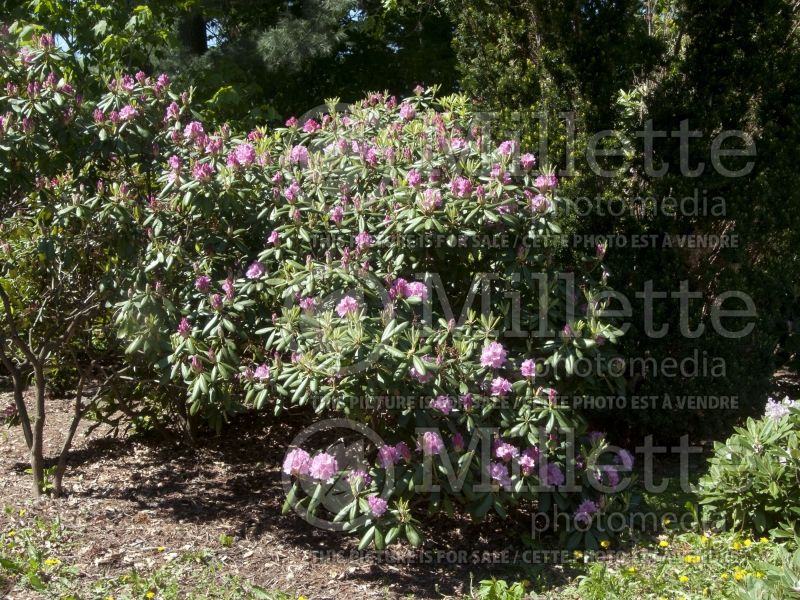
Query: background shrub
{"x": 752, "y": 481}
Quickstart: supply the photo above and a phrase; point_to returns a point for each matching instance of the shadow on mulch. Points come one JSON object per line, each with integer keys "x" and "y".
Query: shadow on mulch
{"x": 236, "y": 479}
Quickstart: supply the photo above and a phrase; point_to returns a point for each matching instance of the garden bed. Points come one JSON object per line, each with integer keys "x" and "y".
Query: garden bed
{"x": 136, "y": 504}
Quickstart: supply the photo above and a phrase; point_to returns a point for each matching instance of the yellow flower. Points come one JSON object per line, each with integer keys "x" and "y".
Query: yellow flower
{"x": 663, "y": 544}
{"x": 161, "y": 549}
{"x": 763, "y": 540}
{"x": 692, "y": 559}
{"x": 683, "y": 579}
{"x": 704, "y": 540}
{"x": 302, "y": 598}
{"x": 705, "y": 591}
{"x": 52, "y": 562}
{"x": 22, "y": 512}
{"x": 605, "y": 544}
{"x": 724, "y": 576}
{"x": 631, "y": 570}
{"x": 736, "y": 546}
{"x": 739, "y": 574}
{"x": 667, "y": 521}
{"x": 759, "y": 574}
{"x": 748, "y": 543}
{"x": 577, "y": 554}
{"x": 11, "y": 533}
{"x": 150, "y": 595}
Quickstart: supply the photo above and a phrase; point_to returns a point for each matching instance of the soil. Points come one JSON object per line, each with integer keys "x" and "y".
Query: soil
{"x": 125, "y": 497}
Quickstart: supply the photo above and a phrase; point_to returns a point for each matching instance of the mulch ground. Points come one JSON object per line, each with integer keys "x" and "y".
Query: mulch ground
{"x": 125, "y": 497}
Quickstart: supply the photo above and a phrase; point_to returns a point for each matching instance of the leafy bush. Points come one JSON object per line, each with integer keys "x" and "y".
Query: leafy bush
{"x": 752, "y": 481}
{"x": 284, "y": 268}
{"x": 325, "y": 264}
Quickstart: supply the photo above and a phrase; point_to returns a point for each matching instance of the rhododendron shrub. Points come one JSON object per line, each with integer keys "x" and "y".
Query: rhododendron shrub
{"x": 391, "y": 251}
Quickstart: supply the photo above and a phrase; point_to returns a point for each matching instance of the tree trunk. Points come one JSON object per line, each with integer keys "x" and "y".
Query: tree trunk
{"x": 37, "y": 447}
{"x": 19, "y": 389}
{"x": 192, "y": 31}
{"x": 77, "y": 415}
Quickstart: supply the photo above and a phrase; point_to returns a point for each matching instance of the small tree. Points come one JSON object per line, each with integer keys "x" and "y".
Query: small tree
{"x": 65, "y": 235}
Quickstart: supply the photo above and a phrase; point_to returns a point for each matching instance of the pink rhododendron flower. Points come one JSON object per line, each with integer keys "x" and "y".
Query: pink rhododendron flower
{"x": 387, "y": 456}
{"x": 202, "y": 171}
{"x": 461, "y": 187}
{"x": 528, "y": 460}
{"x": 552, "y": 475}
{"x": 255, "y": 270}
{"x": 363, "y": 240}
{"x": 500, "y": 386}
{"x": 308, "y": 304}
{"x": 414, "y": 179}
{"x": 337, "y": 214}
{"x": 505, "y": 451}
{"x": 431, "y": 443}
{"x": 539, "y": 203}
{"x": 347, "y": 305}
{"x": 416, "y": 289}
{"x": 292, "y": 192}
{"x": 184, "y": 328}
{"x": 403, "y": 451}
{"x": 612, "y": 476}
{"x": 299, "y": 155}
{"x": 431, "y": 199}
{"x": 585, "y": 511}
{"x": 243, "y": 155}
{"x": 311, "y": 126}
{"x": 528, "y": 368}
{"x": 291, "y": 122}
{"x": 173, "y": 112}
{"x": 546, "y": 182}
{"x": 506, "y": 148}
{"x": 625, "y": 459}
{"x": 216, "y": 301}
{"x": 357, "y": 475}
{"x": 262, "y": 372}
{"x": 377, "y": 506}
{"x": 202, "y": 283}
{"x": 128, "y": 113}
{"x": 297, "y": 462}
{"x": 493, "y": 355}
{"x": 458, "y": 442}
{"x": 527, "y": 161}
{"x": 274, "y": 238}
{"x": 196, "y": 364}
{"x": 193, "y": 131}
{"x": 213, "y": 145}
{"x": 227, "y": 287}
{"x": 499, "y": 473}
{"x": 407, "y": 111}
{"x": 323, "y": 467}
{"x": 443, "y": 404}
